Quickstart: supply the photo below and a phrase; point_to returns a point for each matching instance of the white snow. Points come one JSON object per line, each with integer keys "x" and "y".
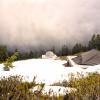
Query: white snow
{"x": 45, "y": 70}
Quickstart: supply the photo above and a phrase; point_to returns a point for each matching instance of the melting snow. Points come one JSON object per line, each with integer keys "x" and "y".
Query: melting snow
{"x": 45, "y": 70}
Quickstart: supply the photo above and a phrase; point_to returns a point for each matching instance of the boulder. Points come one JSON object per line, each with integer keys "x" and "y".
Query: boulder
{"x": 49, "y": 55}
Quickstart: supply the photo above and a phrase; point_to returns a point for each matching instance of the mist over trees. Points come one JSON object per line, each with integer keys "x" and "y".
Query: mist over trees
{"x": 94, "y": 43}
{"x": 3, "y": 53}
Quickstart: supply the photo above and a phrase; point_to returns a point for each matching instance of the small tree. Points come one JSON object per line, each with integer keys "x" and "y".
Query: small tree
{"x": 8, "y": 63}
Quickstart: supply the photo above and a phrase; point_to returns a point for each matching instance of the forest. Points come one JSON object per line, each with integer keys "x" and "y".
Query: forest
{"x": 93, "y": 43}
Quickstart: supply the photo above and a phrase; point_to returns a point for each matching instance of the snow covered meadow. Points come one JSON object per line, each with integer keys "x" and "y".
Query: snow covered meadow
{"x": 45, "y": 70}
{"x": 48, "y": 71}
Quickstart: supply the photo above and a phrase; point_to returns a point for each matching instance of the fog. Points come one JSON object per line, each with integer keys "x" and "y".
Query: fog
{"x": 27, "y": 24}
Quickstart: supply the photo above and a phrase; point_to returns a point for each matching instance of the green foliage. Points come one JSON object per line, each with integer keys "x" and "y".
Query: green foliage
{"x": 63, "y": 57}
{"x": 8, "y": 63}
{"x": 13, "y": 88}
{"x": 3, "y": 53}
{"x": 78, "y": 48}
{"x": 94, "y": 42}
{"x": 65, "y": 50}
{"x": 88, "y": 88}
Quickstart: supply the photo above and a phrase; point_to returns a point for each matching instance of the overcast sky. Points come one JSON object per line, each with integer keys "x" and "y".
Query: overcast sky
{"x": 26, "y": 23}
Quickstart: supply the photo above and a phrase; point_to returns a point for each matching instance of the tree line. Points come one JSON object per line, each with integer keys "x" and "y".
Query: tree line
{"x": 94, "y": 43}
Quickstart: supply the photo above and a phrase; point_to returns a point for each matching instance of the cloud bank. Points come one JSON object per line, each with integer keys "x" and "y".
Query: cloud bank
{"x": 33, "y": 23}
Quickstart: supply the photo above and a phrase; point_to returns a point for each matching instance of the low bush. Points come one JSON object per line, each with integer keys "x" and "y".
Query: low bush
{"x": 88, "y": 88}
{"x": 63, "y": 57}
{"x": 13, "y": 88}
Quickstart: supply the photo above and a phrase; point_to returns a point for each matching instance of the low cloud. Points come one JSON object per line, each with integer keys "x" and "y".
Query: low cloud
{"x": 32, "y": 23}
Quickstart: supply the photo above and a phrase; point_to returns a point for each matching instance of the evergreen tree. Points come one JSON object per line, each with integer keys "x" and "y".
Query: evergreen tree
{"x": 3, "y": 53}
{"x": 65, "y": 50}
{"x": 91, "y": 44}
{"x": 31, "y": 54}
{"x": 94, "y": 42}
{"x": 97, "y": 42}
{"x": 77, "y": 48}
